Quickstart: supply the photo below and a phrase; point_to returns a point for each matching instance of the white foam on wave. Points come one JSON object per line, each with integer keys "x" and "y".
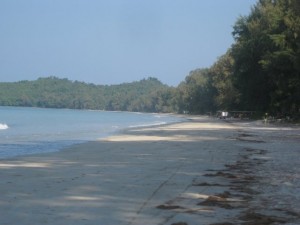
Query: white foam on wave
{"x": 3, "y": 126}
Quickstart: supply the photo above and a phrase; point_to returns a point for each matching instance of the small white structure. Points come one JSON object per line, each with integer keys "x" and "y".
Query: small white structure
{"x": 224, "y": 114}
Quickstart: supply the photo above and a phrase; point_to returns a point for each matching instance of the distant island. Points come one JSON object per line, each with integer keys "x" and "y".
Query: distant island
{"x": 260, "y": 73}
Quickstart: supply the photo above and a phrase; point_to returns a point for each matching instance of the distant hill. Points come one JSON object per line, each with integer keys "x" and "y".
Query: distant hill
{"x": 53, "y": 92}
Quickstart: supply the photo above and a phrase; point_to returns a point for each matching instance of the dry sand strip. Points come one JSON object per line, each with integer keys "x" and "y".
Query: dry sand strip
{"x": 192, "y": 173}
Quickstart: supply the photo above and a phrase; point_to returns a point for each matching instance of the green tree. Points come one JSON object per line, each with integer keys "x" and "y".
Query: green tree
{"x": 227, "y": 96}
{"x": 197, "y": 92}
{"x": 266, "y": 56}
{"x": 52, "y": 92}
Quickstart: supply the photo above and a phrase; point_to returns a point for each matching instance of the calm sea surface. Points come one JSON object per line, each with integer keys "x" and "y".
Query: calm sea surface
{"x": 26, "y": 131}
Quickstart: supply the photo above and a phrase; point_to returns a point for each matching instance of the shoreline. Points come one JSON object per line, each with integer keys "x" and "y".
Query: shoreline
{"x": 26, "y": 139}
{"x": 200, "y": 171}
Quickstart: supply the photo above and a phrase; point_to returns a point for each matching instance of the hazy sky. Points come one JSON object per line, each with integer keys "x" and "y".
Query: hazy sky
{"x": 114, "y": 41}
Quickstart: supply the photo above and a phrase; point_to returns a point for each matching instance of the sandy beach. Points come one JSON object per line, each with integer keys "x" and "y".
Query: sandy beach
{"x": 203, "y": 171}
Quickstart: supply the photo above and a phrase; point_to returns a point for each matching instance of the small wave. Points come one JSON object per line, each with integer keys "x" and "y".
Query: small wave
{"x": 3, "y": 126}
{"x": 148, "y": 125}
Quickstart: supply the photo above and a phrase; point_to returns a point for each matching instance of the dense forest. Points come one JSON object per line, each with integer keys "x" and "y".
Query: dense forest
{"x": 148, "y": 95}
{"x": 260, "y": 72}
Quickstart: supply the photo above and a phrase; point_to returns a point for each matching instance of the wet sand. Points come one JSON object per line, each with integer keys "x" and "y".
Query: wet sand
{"x": 205, "y": 171}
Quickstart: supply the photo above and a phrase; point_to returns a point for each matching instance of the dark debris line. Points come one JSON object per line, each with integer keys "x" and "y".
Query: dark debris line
{"x": 244, "y": 178}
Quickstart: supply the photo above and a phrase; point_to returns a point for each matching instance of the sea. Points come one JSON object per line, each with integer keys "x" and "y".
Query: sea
{"x": 25, "y": 131}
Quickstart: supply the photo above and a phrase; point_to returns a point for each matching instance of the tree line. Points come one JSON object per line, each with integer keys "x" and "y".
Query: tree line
{"x": 259, "y": 72}
{"x": 147, "y": 95}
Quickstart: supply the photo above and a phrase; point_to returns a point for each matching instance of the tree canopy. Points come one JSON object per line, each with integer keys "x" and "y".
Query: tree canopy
{"x": 147, "y": 95}
{"x": 261, "y": 70}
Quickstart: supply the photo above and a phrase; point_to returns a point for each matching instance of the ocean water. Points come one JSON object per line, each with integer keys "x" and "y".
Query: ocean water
{"x": 26, "y": 131}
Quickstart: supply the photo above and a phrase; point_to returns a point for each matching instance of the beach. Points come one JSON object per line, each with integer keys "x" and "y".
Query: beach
{"x": 201, "y": 171}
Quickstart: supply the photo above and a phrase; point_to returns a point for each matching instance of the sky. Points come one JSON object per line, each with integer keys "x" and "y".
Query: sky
{"x": 114, "y": 41}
